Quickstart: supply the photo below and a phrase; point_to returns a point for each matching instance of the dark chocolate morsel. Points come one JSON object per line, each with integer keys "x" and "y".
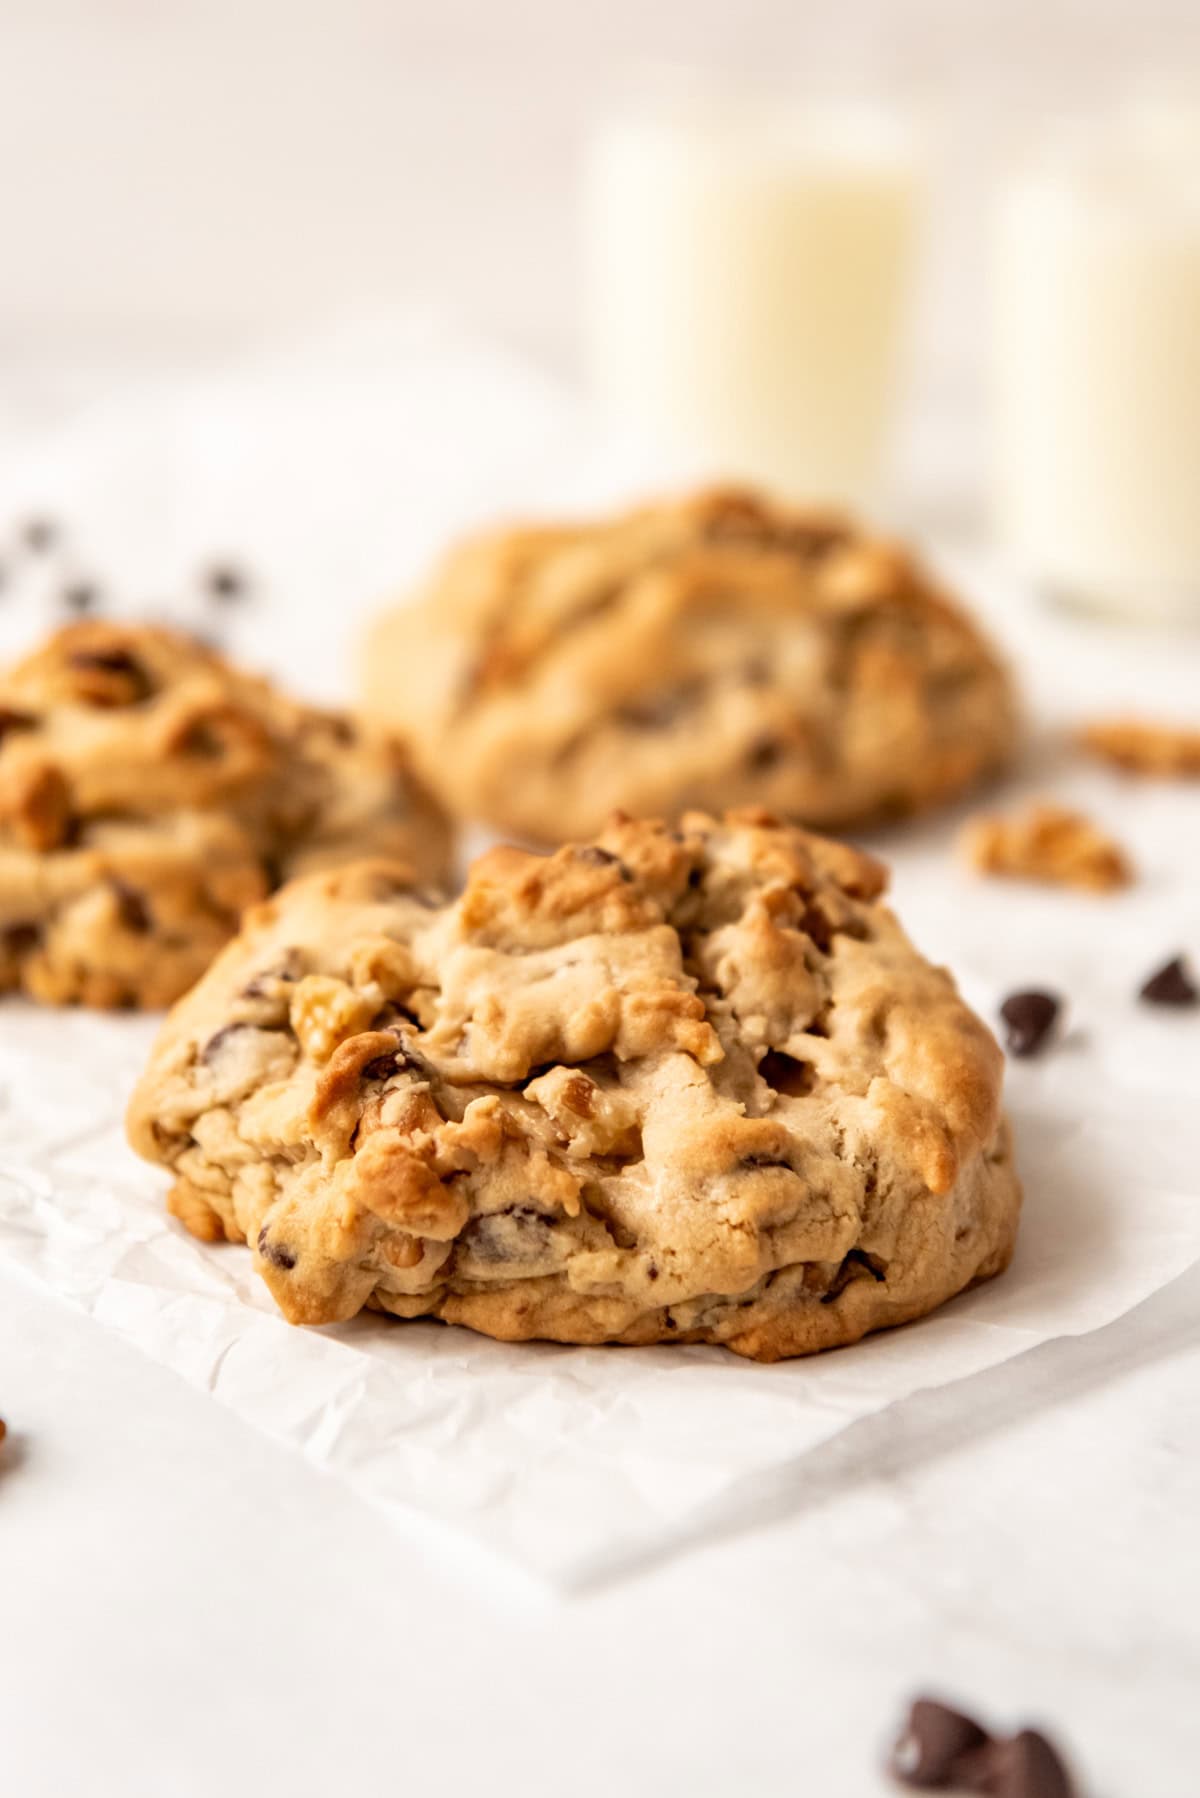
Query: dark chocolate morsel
{"x": 1171, "y": 985}
{"x": 277, "y": 1253}
{"x": 763, "y": 753}
{"x": 225, "y": 583}
{"x": 132, "y": 908}
{"x": 785, "y": 1074}
{"x": 1021, "y": 1766}
{"x": 932, "y": 1744}
{"x": 39, "y": 534}
{"x": 1028, "y": 1017}
{"x": 80, "y": 596}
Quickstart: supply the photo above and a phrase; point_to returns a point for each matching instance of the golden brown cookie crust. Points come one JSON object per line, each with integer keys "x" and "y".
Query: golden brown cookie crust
{"x": 720, "y": 651}
{"x": 684, "y": 1085}
{"x": 149, "y": 792}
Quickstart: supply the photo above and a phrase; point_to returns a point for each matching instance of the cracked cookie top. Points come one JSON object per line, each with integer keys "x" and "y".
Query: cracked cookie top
{"x": 149, "y": 791}
{"x": 683, "y": 1083}
{"x": 719, "y": 651}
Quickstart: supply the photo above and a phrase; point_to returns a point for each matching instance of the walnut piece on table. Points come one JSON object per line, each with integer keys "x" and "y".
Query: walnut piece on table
{"x": 1047, "y": 843}
{"x": 1139, "y": 747}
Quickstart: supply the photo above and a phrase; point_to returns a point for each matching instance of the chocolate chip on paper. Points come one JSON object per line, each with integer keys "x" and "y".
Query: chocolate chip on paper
{"x": 1171, "y": 984}
{"x": 1029, "y": 1018}
{"x": 933, "y": 1743}
{"x": 943, "y": 1750}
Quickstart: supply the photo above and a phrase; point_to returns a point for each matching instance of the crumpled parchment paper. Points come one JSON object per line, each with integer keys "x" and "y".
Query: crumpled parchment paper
{"x": 574, "y": 1463}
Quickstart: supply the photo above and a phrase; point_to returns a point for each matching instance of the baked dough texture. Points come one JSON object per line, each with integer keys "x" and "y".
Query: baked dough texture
{"x": 678, "y": 1085}
{"x": 149, "y": 792}
{"x": 716, "y": 652}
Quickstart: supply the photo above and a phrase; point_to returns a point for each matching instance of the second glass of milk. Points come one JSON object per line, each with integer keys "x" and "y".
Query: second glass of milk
{"x": 746, "y": 271}
{"x": 1097, "y": 367}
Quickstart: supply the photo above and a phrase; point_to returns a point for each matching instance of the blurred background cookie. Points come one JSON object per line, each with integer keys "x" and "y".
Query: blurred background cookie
{"x": 718, "y": 651}
{"x": 149, "y": 791}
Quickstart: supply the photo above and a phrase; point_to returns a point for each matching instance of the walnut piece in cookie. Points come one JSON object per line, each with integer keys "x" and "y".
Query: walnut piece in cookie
{"x": 676, "y": 1085}
{"x": 721, "y": 650}
{"x": 1047, "y": 843}
{"x": 1137, "y": 746}
{"x": 150, "y": 792}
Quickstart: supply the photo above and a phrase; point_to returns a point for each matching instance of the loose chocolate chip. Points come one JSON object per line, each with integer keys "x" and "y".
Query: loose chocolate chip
{"x": 80, "y": 596}
{"x": 132, "y": 909}
{"x": 225, "y": 584}
{"x": 785, "y": 1074}
{"x": 1028, "y": 1017}
{"x": 764, "y": 753}
{"x": 652, "y": 1272}
{"x": 275, "y": 1252}
{"x": 1021, "y": 1766}
{"x": 1171, "y": 985}
{"x": 11, "y": 720}
{"x": 933, "y": 1743}
{"x": 39, "y": 534}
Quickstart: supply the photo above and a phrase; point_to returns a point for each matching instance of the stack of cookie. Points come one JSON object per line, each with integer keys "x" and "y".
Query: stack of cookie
{"x": 684, "y": 1079}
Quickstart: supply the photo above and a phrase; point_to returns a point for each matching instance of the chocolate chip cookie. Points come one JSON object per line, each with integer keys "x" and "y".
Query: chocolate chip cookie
{"x": 149, "y": 792}
{"x": 717, "y": 652}
{"x": 677, "y": 1085}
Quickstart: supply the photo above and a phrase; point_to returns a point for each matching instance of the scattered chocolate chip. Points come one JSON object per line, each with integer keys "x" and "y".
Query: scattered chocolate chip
{"x": 932, "y": 1743}
{"x": 39, "y": 535}
{"x": 1025, "y": 1766}
{"x": 600, "y": 858}
{"x": 132, "y": 909}
{"x": 1028, "y": 1017}
{"x": 785, "y": 1074}
{"x": 80, "y": 596}
{"x": 11, "y": 720}
{"x": 940, "y": 1749}
{"x": 853, "y": 1266}
{"x": 1171, "y": 985}
{"x": 275, "y": 1252}
{"x": 652, "y": 1272}
{"x": 753, "y": 1161}
{"x": 670, "y": 1322}
{"x": 225, "y": 583}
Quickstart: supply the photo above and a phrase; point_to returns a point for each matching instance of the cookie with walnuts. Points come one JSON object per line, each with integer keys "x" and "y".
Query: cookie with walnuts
{"x": 150, "y": 792}
{"x": 720, "y": 651}
{"x": 683, "y": 1084}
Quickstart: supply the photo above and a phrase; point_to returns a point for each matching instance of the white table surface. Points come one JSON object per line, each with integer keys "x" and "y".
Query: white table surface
{"x": 1025, "y": 1541}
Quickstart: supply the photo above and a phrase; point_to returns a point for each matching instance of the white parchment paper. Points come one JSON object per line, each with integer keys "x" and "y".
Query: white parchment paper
{"x": 578, "y": 1462}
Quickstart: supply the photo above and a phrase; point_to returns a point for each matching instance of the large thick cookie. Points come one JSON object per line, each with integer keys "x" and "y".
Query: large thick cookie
{"x": 686, "y": 1085}
{"x": 149, "y": 792}
{"x": 719, "y": 652}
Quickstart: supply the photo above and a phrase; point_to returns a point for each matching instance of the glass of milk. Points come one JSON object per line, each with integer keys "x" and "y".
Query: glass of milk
{"x": 1096, "y": 367}
{"x": 746, "y": 264}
